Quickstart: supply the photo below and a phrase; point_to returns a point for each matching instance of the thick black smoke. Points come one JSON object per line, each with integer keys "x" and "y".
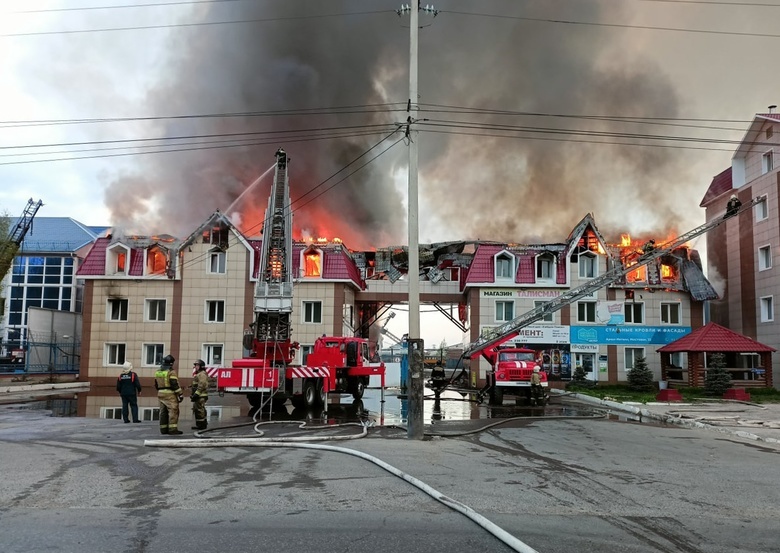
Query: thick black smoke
{"x": 473, "y": 186}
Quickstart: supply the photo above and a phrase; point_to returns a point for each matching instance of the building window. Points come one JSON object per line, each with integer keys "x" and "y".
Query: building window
{"x": 504, "y": 266}
{"x": 769, "y": 132}
{"x": 764, "y": 258}
{"x": 156, "y": 261}
{"x": 117, "y": 309}
{"x": 155, "y": 310}
{"x": 111, "y": 413}
{"x": 153, "y": 354}
{"x": 631, "y": 355}
{"x": 635, "y": 313}
{"x": 217, "y": 262}
{"x": 767, "y": 162}
{"x": 505, "y": 311}
{"x": 114, "y": 354}
{"x": 312, "y": 312}
{"x": 548, "y": 317}
{"x": 767, "y": 309}
{"x": 117, "y": 260}
{"x": 545, "y": 267}
{"x": 212, "y": 354}
{"x": 586, "y": 311}
{"x": 588, "y": 265}
{"x": 670, "y": 313}
{"x": 215, "y": 311}
{"x": 762, "y": 209}
{"x": 312, "y": 263}
{"x": 676, "y": 360}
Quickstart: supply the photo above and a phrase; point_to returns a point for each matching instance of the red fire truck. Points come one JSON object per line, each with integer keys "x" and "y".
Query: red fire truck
{"x": 336, "y": 365}
{"x": 511, "y": 373}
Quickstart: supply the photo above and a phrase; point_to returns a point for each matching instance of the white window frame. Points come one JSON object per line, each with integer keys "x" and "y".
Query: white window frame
{"x": 217, "y": 264}
{"x": 548, "y": 317}
{"x": 668, "y": 309}
{"x": 216, "y": 319}
{"x": 767, "y": 162}
{"x": 112, "y": 260}
{"x": 153, "y": 315}
{"x": 149, "y": 414}
{"x": 110, "y": 302}
{"x": 765, "y": 258}
{"x": 111, "y": 413}
{"x": 590, "y": 309}
{"x": 591, "y": 265}
{"x": 504, "y": 259}
{"x": 634, "y": 356}
{"x": 158, "y": 354}
{"x": 309, "y": 315}
{"x": 676, "y": 359}
{"x": 209, "y": 354}
{"x": 545, "y": 263}
{"x": 632, "y": 310}
{"x": 504, "y": 311}
{"x": 762, "y": 209}
{"x": 114, "y": 354}
{"x": 767, "y": 305}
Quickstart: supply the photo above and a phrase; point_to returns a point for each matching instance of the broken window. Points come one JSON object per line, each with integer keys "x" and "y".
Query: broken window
{"x": 312, "y": 263}
{"x": 156, "y": 261}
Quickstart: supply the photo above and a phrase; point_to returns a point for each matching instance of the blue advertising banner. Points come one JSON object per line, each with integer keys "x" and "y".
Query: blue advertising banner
{"x": 627, "y": 335}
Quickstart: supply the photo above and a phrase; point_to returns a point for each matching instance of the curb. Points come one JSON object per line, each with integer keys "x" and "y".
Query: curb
{"x": 43, "y": 387}
{"x": 646, "y": 413}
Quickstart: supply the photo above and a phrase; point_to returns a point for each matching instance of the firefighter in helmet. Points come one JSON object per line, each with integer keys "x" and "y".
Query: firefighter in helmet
{"x": 732, "y": 207}
{"x": 199, "y": 394}
{"x": 170, "y": 396}
{"x": 537, "y": 392}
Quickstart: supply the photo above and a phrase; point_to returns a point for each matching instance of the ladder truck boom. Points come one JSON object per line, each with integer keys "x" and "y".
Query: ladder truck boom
{"x": 494, "y": 337}
{"x": 16, "y": 236}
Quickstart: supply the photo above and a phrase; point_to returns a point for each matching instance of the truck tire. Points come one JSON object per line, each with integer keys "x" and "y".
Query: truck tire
{"x": 356, "y": 387}
{"x": 310, "y": 394}
{"x": 320, "y": 387}
{"x": 496, "y": 395}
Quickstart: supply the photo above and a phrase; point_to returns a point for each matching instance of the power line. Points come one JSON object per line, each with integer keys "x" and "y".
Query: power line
{"x": 124, "y": 6}
{"x": 200, "y": 24}
{"x": 611, "y": 25}
{"x": 715, "y": 3}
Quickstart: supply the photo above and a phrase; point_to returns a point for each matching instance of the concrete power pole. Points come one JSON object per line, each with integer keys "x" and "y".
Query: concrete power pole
{"x": 415, "y": 345}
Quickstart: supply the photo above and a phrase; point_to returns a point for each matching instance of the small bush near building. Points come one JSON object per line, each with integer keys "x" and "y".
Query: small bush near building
{"x": 640, "y": 378}
{"x": 718, "y": 379}
{"x": 579, "y": 380}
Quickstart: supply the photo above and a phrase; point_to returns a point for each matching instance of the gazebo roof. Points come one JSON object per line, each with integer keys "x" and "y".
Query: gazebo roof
{"x": 715, "y": 338}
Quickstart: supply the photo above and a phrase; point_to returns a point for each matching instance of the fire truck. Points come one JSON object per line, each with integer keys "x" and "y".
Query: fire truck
{"x": 503, "y": 377}
{"x": 338, "y": 365}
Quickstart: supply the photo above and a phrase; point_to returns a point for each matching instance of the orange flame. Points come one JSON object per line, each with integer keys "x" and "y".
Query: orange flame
{"x": 625, "y": 240}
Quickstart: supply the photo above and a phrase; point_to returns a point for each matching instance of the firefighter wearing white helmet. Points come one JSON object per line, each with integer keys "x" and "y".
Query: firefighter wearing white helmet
{"x": 537, "y": 392}
{"x": 199, "y": 394}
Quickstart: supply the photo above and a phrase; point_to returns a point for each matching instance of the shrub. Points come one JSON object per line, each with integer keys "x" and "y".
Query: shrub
{"x": 718, "y": 379}
{"x": 640, "y": 378}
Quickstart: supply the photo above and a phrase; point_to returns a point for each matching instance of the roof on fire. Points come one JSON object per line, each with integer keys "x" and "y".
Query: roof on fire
{"x": 715, "y": 338}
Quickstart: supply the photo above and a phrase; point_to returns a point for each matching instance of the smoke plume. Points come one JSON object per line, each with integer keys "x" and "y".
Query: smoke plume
{"x": 474, "y": 184}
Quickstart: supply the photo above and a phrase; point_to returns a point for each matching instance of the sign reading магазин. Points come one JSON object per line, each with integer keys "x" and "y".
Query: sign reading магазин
{"x": 626, "y": 335}
{"x": 516, "y": 293}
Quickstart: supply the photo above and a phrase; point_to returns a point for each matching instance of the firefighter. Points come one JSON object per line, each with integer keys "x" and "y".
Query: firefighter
{"x": 649, "y": 246}
{"x": 537, "y": 392}
{"x": 733, "y": 205}
{"x": 170, "y": 395}
{"x": 199, "y": 394}
{"x": 129, "y": 387}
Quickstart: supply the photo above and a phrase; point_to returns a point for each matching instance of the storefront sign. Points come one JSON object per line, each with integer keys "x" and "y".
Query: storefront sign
{"x": 627, "y": 335}
{"x": 510, "y": 293}
{"x": 543, "y": 334}
{"x": 584, "y": 348}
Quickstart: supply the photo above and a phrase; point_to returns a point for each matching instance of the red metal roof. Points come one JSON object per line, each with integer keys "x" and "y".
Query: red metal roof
{"x": 95, "y": 261}
{"x": 714, "y": 338}
{"x": 336, "y": 265}
{"x": 481, "y": 269}
{"x": 136, "y": 262}
{"x": 721, "y": 183}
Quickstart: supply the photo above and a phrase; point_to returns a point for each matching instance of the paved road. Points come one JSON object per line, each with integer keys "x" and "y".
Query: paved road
{"x": 559, "y": 485}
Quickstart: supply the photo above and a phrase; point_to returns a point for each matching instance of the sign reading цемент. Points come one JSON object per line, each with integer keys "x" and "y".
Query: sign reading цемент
{"x": 627, "y": 334}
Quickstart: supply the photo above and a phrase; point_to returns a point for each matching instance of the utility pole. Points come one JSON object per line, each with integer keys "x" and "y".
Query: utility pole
{"x": 415, "y": 345}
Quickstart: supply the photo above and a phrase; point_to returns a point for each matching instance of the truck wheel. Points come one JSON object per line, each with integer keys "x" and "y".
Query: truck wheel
{"x": 310, "y": 394}
{"x": 320, "y": 387}
{"x": 357, "y": 387}
{"x": 496, "y": 396}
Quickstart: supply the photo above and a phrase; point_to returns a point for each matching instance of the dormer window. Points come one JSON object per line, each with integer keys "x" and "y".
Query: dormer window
{"x": 505, "y": 264}
{"x": 312, "y": 263}
{"x": 217, "y": 262}
{"x": 545, "y": 266}
{"x": 156, "y": 261}
{"x": 588, "y": 265}
{"x": 117, "y": 260}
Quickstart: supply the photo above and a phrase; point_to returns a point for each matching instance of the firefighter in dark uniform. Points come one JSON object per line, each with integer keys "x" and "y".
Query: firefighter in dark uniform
{"x": 199, "y": 394}
{"x": 733, "y": 205}
{"x": 170, "y": 395}
{"x": 537, "y": 392}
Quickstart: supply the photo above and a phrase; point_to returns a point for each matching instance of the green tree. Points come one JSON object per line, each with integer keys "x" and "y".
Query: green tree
{"x": 718, "y": 379}
{"x": 640, "y": 378}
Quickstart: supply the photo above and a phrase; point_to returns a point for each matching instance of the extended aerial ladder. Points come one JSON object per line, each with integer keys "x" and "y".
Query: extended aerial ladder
{"x": 16, "y": 236}
{"x": 495, "y": 337}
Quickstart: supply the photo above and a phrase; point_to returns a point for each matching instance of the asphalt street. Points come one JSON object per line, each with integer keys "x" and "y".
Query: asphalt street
{"x": 553, "y": 484}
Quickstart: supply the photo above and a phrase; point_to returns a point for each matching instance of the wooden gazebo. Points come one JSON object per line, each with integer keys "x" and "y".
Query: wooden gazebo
{"x": 713, "y": 338}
